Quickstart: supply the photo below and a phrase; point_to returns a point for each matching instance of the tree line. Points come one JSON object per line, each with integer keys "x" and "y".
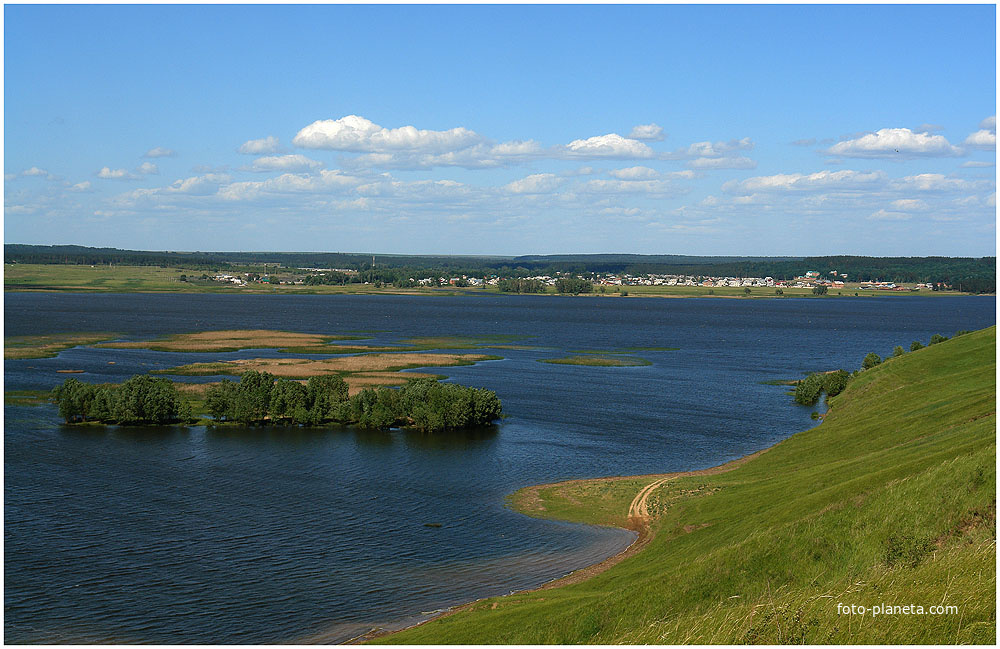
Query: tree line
{"x": 975, "y": 275}
{"x": 425, "y": 404}
{"x": 257, "y": 398}
{"x": 140, "y": 401}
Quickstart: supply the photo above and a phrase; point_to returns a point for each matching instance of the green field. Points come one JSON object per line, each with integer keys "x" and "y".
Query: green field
{"x": 156, "y": 279}
{"x": 890, "y": 501}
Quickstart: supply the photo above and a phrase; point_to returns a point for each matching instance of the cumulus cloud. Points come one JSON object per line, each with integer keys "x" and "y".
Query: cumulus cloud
{"x": 990, "y": 123}
{"x": 634, "y": 173}
{"x": 159, "y": 152}
{"x": 80, "y": 187}
{"x": 892, "y": 142}
{"x": 728, "y": 162}
{"x": 611, "y": 145}
{"x": 845, "y": 179}
{"x": 535, "y": 184}
{"x": 293, "y": 162}
{"x": 649, "y": 132}
{"x": 148, "y": 168}
{"x": 982, "y": 139}
{"x": 35, "y": 171}
{"x": 357, "y": 134}
{"x": 115, "y": 174}
{"x": 269, "y": 144}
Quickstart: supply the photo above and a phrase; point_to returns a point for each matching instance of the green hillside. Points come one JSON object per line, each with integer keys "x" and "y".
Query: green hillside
{"x": 890, "y": 501}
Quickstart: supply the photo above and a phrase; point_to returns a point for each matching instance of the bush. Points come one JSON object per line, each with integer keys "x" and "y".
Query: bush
{"x": 835, "y": 382}
{"x": 870, "y": 361}
{"x": 897, "y": 351}
{"x": 819, "y": 290}
{"x": 915, "y": 345}
{"x": 807, "y": 390}
{"x": 938, "y": 338}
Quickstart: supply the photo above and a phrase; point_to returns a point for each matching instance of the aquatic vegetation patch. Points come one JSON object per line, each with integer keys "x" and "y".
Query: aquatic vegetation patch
{"x": 308, "y": 367}
{"x": 231, "y": 340}
{"x": 49, "y": 345}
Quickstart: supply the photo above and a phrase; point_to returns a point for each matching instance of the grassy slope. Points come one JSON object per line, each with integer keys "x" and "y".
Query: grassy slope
{"x": 891, "y": 500}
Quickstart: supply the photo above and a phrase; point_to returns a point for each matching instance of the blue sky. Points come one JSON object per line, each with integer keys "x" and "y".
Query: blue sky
{"x": 738, "y": 130}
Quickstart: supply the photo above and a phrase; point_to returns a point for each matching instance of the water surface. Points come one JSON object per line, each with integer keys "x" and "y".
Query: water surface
{"x": 191, "y": 535}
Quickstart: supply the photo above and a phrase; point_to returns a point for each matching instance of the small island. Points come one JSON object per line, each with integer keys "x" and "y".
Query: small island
{"x": 259, "y": 398}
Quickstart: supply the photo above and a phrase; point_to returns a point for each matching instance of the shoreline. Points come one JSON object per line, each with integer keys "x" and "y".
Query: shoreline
{"x": 637, "y": 521}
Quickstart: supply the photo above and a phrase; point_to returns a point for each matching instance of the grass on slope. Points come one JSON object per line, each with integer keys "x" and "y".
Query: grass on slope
{"x": 892, "y": 500}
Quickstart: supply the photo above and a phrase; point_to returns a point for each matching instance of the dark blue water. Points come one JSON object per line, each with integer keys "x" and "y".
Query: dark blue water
{"x": 188, "y": 535}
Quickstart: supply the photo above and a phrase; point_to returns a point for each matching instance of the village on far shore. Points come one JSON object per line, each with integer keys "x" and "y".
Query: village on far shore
{"x": 810, "y": 279}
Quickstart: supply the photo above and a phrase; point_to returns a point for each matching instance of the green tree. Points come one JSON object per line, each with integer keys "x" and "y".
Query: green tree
{"x": 915, "y": 345}
{"x": 897, "y": 351}
{"x": 870, "y": 361}
{"x": 938, "y": 338}
{"x": 288, "y": 399}
{"x": 819, "y": 290}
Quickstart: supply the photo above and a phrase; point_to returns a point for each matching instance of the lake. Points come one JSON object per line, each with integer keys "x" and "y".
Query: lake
{"x": 194, "y": 535}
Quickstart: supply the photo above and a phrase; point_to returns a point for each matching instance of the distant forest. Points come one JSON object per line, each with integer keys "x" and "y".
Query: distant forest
{"x": 977, "y": 275}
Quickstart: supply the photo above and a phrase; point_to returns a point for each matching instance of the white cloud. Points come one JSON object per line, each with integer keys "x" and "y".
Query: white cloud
{"x": 324, "y": 182}
{"x": 159, "y": 152}
{"x": 611, "y": 145}
{"x": 893, "y": 142}
{"x": 516, "y": 148}
{"x": 293, "y": 162}
{"x": 734, "y": 162}
{"x": 634, "y": 173}
{"x": 934, "y": 183}
{"x": 35, "y": 171}
{"x": 649, "y": 132}
{"x": 81, "y": 187}
{"x": 355, "y": 133}
{"x": 269, "y": 144}
{"x": 845, "y": 179}
{"x": 115, "y": 174}
{"x": 977, "y": 164}
{"x": 199, "y": 185}
{"x": 910, "y": 205}
{"x": 660, "y": 187}
{"x": 535, "y": 184}
{"x": 148, "y": 168}
{"x": 718, "y": 149}
{"x": 886, "y": 215}
{"x": 982, "y": 139}
{"x": 990, "y": 123}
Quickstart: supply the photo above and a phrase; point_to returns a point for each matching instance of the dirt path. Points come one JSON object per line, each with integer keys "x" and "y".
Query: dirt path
{"x": 638, "y": 522}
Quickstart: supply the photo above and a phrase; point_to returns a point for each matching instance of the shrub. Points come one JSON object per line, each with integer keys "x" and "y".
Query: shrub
{"x": 897, "y": 351}
{"x": 938, "y": 338}
{"x": 915, "y": 345}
